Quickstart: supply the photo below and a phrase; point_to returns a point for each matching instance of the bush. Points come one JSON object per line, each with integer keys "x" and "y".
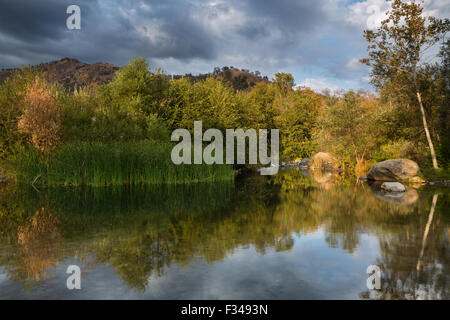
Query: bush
{"x": 12, "y": 92}
{"x": 41, "y": 118}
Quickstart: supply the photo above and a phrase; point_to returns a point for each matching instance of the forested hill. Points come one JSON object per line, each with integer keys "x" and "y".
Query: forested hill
{"x": 71, "y": 73}
{"x": 240, "y": 79}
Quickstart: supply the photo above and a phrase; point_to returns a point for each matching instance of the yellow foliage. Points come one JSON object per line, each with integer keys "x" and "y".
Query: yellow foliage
{"x": 41, "y": 118}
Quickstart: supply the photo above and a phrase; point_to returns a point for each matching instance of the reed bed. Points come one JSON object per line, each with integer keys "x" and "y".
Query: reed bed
{"x": 100, "y": 164}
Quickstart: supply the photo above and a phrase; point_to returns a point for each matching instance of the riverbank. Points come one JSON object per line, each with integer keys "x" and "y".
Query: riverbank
{"x": 427, "y": 176}
{"x": 114, "y": 164}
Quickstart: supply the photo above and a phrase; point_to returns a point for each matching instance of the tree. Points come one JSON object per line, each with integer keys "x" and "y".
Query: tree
{"x": 284, "y": 81}
{"x": 297, "y": 122}
{"x": 397, "y": 51}
{"x": 41, "y": 118}
{"x": 349, "y": 128}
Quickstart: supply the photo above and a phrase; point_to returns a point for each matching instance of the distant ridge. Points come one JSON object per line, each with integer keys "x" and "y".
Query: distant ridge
{"x": 70, "y": 73}
{"x": 240, "y": 79}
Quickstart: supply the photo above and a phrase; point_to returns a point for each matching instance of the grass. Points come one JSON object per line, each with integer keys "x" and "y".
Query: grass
{"x": 431, "y": 174}
{"x": 99, "y": 164}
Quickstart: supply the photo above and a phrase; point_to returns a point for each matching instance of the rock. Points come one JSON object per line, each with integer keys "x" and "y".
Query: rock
{"x": 304, "y": 163}
{"x": 324, "y": 178}
{"x": 295, "y": 163}
{"x": 440, "y": 183}
{"x": 399, "y": 198}
{"x": 393, "y": 170}
{"x": 393, "y": 187}
{"x": 323, "y": 160}
{"x": 409, "y": 197}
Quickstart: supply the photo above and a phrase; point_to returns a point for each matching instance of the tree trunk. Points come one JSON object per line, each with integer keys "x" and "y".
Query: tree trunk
{"x": 427, "y": 230}
{"x": 427, "y": 132}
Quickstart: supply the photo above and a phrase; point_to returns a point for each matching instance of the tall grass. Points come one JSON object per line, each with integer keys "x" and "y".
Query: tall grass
{"x": 99, "y": 164}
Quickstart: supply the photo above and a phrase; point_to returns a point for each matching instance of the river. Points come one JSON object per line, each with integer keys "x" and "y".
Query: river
{"x": 289, "y": 236}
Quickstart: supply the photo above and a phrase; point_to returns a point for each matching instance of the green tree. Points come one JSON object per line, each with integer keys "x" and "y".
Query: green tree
{"x": 284, "y": 81}
{"x": 348, "y": 128}
{"x": 397, "y": 51}
{"x": 297, "y": 123}
{"x": 129, "y": 106}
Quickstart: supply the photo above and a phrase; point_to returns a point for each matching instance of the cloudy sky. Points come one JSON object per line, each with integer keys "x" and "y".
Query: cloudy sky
{"x": 318, "y": 41}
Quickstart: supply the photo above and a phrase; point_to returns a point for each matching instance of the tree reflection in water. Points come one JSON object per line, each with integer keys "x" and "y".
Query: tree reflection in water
{"x": 142, "y": 231}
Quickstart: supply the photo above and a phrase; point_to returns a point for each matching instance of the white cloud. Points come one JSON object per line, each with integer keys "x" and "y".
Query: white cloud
{"x": 370, "y": 13}
{"x": 317, "y": 84}
{"x": 367, "y": 14}
{"x": 354, "y": 65}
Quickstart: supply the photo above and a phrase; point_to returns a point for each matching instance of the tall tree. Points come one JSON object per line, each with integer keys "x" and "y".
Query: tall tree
{"x": 397, "y": 50}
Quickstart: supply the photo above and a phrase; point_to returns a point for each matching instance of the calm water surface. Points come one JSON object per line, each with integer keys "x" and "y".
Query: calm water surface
{"x": 284, "y": 237}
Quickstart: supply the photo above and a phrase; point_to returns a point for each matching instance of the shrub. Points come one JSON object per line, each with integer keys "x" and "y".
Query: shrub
{"x": 41, "y": 118}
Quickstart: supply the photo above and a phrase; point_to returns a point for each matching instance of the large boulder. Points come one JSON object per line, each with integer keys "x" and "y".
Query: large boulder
{"x": 323, "y": 160}
{"x": 393, "y": 170}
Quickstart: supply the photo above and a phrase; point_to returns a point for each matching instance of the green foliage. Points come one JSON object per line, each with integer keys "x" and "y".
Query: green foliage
{"x": 431, "y": 174}
{"x": 396, "y": 48}
{"x": 297, "y": 122}
{"x": 399, "y": 67}
{"x": 139, "y": 105}
{"x": 209, "y": 101}
{"x": 284, "y": 81}
{"x": 99, "y": 164}
{"x": 12, "y": 93}
{"x": 348, "y": 127}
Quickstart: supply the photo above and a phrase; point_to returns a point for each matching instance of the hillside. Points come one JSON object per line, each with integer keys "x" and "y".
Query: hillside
{"x": 240, "y": 79}
{"x": 71, "y": 73}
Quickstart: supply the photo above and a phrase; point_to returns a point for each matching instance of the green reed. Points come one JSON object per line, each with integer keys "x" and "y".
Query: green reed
{"x": 99, "y": 164}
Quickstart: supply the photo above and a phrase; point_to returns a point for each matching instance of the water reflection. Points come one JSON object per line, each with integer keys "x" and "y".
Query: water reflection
{"x": 410, "y": 196}
{"x": 288, "y": 236}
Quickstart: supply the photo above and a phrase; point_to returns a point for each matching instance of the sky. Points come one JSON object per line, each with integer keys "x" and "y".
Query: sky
{"x": 319, "y": 41}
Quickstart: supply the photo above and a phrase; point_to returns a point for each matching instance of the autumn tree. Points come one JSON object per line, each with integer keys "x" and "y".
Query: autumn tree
{"x": 398, "y": 48}
{"x": 41, "y": 118}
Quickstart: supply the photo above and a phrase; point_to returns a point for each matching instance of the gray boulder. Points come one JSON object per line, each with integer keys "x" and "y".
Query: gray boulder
{"x": 409, "y": 197}
{"x": 393, "y": 187}
{"x": 304, "y": 163}
{"x": 393, "y": 170}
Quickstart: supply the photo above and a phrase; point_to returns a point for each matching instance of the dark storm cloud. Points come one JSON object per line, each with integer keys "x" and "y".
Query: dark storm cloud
{"x": 32, "y": 21}
{"x": 307, "y": 38}
{"x": 282, "y": 23}
{"x": 115, "y": 31}
{"x": 111, "y": 30}
{"x": 253, "y": 31}
{"x": 288, "y": 16}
